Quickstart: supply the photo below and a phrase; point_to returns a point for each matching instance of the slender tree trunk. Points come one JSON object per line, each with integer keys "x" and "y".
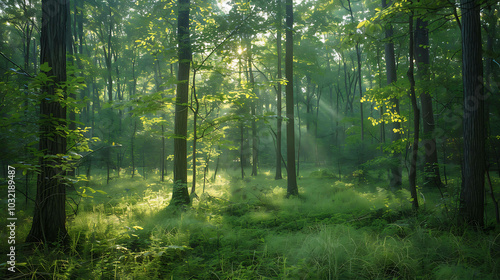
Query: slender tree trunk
{"x": 316, "y": 151}
{"x": 180, "y": 193}
{"x": 416, "y": 125}
{"x": 162, "y": 158}
{"x": 107, "y": 53}
{"x": 49, "y": 220}
{"x": 255, "y": 148}
{"x": 195, "y": 142}
{"x": 431, "y": 167}
{"x": 382, "y": 111}
{"x": 70, "y": 61}
{"x": 279, "y": 119}
{"x": 242, "y": 149}
{"x": 472, "y": 196}
{"x": 292, "y": 188}
{"x": 217, "y": 164}
{"x": 195, "y": 107}
{"x": 299, "y": 145}
{"x": 358, "y": 56}
{"x": 118, "y": 92}
{"x": 396, "y": 179}
{"x": 132, "y": 142}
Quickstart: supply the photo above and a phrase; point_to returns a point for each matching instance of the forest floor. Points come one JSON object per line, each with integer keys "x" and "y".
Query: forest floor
{"x": 348, "y": 228}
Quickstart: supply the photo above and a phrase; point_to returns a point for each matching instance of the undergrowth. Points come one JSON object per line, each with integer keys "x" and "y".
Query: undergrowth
{"x": 246, "y": 229}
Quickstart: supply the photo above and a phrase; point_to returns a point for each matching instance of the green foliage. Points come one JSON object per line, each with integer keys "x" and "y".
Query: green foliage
{"x": 323, "y": 173}
{"x": 248, "y": 230}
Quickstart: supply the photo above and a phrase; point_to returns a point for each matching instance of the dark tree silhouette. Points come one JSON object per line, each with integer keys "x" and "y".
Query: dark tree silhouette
{"x": 390, "y": 66}
{"x": 422, "y": 58}
{"x": 279, "y": 119}
{"x": 49, "y": 220}
{"x": 412, "y": 176}
{"x": 292, "y": 188}
{"x": 472, "y": 196}
{"x": 180, "y": 195}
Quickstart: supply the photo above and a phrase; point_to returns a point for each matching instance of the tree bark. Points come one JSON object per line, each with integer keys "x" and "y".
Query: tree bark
{"x": 396, "y": 179}
{"x": 358, "y": 56}
{"x": 162, "y": 157}
{"x": 471, "y": 210}
{"x": 292, "y": 188}
{"x": 416, "y": 125}
{"x": 242, "y": 149}
{"x": 255, "y": 148}
{"x": 279, "y": 120}
{"x": 180, "y": 195}
{"x": 431, "y": 167}
{"x": 49, "y": 220}
{"x": 132, "y": 148}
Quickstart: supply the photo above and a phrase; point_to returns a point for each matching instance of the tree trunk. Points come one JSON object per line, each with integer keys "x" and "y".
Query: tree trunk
{"x": 279, "y": 120}
{"x": 358, "y": 56}
{"x": 255, "y": 150}
{"x": 316, "y": 137}
{"x": 431, "y": 167}
{"x": 471, "y": 210}
{"x": 162, "y": 157}
{"x": 242, "y": 150}
{"x": 180, "y": 193}
{"x": 132, "y": 148}
{"x": 49, "y": 220}
{"x": 416, "y": 125}
{"x": 396, "y": 179}
{"x": 292, "y": 188}
{"x": 491, "y": 31}
{"x": 107, "y": 54}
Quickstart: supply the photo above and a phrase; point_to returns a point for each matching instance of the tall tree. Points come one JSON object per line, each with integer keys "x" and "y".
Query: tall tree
{"x": 360, "y": 77}
{"x": 49, "y": 220}
{"x": 279, "y": 120}
{"x": 255, "y": 148}
{"x": 390, "y": 66}
{"x": 472, "y": 195}
{"x": 180, "y": 195}
{"x": 292, "y": 188}
{"x": 431, "y": 168}
{"x": 412, "y": 177}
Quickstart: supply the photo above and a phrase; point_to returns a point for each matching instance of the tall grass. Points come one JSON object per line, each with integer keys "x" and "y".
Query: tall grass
{"x": 246, "y": 229}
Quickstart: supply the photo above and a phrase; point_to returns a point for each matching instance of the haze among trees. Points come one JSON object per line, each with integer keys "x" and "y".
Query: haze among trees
{"x": 254, "y": 139}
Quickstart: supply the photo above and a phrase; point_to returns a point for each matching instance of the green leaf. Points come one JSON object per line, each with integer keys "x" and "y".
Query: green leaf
{"x": 361, "y": 24}
{"x": 45, "y": 67}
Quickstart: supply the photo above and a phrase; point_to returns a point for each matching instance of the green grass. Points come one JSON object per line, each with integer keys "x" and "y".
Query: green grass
{"x": 246, "y": 229}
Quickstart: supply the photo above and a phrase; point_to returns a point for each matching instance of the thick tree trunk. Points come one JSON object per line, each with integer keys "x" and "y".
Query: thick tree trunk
{"x": 49, "y": 220}
{"x": 396, "y": 179}
{"x": 472, "y": 196}
{"x": 180, "y": 195}
{"x": 292, "y": 188}
{"x": 431, "y": 167}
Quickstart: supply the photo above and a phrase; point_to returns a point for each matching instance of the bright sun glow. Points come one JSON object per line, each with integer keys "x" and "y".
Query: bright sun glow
{"x": 224, "y": 5}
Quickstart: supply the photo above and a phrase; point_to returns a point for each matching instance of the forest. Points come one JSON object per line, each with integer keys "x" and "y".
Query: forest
{"x": 250, "y": 139}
